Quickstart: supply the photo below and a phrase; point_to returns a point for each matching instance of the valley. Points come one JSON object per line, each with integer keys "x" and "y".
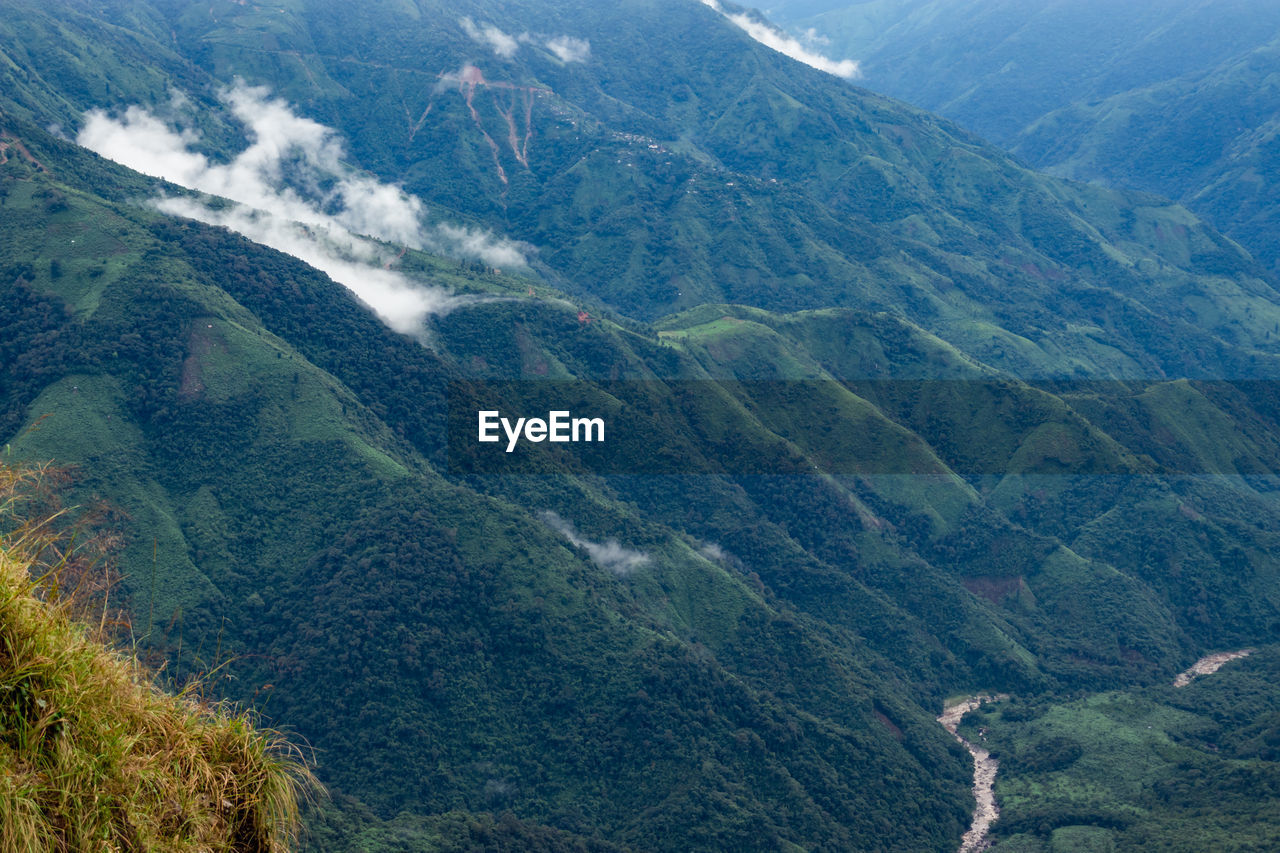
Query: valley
{"x": 986, "y": 767}
{"x": 887, "y": 417}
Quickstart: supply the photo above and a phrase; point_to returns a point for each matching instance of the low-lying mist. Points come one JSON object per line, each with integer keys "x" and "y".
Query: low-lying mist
{"x": 293, "y": 191}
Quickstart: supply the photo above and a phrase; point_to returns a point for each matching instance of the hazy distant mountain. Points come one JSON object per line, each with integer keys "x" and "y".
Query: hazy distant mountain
{"x": 1175, "y": 97}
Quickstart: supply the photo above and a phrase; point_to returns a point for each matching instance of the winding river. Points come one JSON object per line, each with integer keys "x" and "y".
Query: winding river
{"x": 985, "y": 767}
{"x": 984, "y": 773}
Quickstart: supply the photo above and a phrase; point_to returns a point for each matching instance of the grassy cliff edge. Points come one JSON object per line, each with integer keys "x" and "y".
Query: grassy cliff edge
{"x": 93, "y": 756}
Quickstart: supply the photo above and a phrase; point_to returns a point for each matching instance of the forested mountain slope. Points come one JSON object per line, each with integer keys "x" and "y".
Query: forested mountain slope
{"x": 723, "y": 172}
{"x": 908, "y": 419}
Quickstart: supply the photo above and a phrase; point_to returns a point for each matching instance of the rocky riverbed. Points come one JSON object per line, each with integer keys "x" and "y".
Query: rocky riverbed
{"x": 984, "y": 773}
{"x": 1208, "y": 665}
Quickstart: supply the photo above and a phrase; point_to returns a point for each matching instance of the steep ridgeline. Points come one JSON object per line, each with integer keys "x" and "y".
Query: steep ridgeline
{"x": 736, "y": 632}
{"x": 270, "y": 442}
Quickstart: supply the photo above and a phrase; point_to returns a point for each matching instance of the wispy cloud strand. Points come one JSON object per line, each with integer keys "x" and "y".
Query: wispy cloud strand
{"x": 785, "y": 44}
{"x": 608, "y": 554}
{"x": 294, "y": 193}
{"x": 503, "y": 44}
{"x": 499, "y": 42}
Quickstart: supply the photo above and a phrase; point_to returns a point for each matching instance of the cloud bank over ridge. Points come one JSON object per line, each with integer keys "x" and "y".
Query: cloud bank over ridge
{"x": 785, "y": 44}
{"x": 293, "y": 193}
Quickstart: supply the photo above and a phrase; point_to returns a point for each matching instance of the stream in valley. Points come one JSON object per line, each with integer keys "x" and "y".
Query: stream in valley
{"x": 985, "y": 767}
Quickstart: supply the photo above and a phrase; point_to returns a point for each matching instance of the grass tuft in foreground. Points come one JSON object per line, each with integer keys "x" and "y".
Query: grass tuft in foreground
{"x": 93, "y": 756}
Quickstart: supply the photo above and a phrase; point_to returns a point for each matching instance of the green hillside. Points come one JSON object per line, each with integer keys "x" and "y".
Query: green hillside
{"x": 774, "y": 186}
{"x": 909, "y": 422}
{"x": 341, "y": 569}
{"x": 1170, "y": 768}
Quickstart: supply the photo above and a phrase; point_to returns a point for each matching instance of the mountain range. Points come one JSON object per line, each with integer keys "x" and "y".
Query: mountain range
{"x": 1174, "y": 97}
{"x": 901, "y": 419}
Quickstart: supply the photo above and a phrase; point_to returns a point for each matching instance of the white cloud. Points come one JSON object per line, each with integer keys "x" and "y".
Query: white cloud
{"x": 499, "y": 42}
{"x": 785, "y": 44}
{"x": 476, "y": 243}
{"x": 569, "y": 49}
{"x": 812, "y": 36}
{"x": 347, "y": 259}
{"x": 566, "y": 48}
{"x": 294, "y": 194}
{"x": 713, "y": 552}
{"x": 608, "y": 554}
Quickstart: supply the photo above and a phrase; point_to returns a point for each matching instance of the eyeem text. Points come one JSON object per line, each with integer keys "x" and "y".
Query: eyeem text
{"x": 558, "y": 426}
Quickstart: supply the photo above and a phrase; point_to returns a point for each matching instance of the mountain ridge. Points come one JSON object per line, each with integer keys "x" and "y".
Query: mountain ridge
{"x": 762, "y": 666}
